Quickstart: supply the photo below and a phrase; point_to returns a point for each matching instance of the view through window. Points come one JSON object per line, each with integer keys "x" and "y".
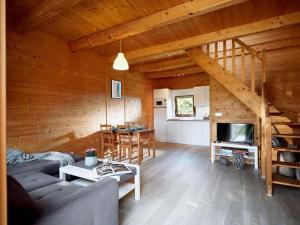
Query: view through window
{"x": 184, "y": 106}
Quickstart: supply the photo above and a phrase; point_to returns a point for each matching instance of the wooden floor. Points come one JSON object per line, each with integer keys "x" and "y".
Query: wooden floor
{"x": 181, "y": 186}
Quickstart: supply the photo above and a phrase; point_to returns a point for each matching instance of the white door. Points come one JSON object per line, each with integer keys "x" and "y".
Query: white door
{"x": 160, "y": 124}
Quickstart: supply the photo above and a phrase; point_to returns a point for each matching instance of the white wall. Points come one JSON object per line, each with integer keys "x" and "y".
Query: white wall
{"x": 198, "y": 92}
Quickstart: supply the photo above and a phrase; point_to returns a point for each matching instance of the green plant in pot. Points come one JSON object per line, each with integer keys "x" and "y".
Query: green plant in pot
{"x": 90, "y": 157}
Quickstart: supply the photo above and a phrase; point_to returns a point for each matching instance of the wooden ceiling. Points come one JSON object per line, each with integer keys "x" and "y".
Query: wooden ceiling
{"x": 82, "y": 18}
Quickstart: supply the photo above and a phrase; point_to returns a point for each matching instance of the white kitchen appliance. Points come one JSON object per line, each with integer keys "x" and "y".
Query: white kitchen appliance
{"x": 160, "y": 103}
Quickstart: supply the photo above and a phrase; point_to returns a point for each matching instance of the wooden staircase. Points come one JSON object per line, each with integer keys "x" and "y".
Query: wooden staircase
{"x": 223, "y": 68}
{"x": 276, "y": 178}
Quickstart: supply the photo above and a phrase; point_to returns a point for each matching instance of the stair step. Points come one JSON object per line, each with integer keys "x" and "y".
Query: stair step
{"x": 286, "y": 164}
{"x": 276, "y": 113}
{"x": 287, "y": 181}
{"x": 287, "y": 135}
{"x": 281, "y": 149}
{"x": 287, "y": 123}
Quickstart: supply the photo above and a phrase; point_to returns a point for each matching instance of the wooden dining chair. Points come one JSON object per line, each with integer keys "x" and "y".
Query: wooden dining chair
{"x": 105, "y": 127}
{"x": 109, "y": 144}
{"x": 147, "y": 138}
{"x": 126, "y": 143}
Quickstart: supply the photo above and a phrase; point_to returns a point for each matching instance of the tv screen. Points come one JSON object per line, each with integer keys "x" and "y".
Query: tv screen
{"x": 235, "y": 132}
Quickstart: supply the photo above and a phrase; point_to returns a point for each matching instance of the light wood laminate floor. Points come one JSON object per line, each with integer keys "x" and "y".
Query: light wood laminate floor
{"x": 181, "y": 187}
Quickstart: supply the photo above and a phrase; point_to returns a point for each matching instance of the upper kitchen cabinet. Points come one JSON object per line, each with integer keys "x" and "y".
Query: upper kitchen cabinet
{"x": 161, "y": 93}
{"x": 201, "y": 99}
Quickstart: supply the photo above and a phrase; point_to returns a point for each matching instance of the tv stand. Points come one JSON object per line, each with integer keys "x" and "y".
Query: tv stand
{"x": 251, "y": 149}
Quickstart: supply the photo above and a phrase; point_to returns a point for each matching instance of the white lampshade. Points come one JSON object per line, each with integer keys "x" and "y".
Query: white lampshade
{"x": 120, "y": 62}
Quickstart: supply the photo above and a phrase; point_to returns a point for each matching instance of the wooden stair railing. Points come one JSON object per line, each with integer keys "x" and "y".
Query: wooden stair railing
{"x": 234, "y": 50}
{"x": 211, "y": 62}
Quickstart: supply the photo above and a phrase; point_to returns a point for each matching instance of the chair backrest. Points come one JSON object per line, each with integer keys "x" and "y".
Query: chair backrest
{"x": 125, "y": 138}
{"x": 123, "y": 127}
{"x": 107, "y": 137}
{"x": 105, "y": 127}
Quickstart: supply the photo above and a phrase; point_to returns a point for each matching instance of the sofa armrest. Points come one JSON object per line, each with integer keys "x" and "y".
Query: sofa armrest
{"x": 96, "y": 204}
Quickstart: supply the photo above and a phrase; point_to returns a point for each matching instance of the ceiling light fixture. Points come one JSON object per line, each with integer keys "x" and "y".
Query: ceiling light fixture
{"x": 120, "y": 62}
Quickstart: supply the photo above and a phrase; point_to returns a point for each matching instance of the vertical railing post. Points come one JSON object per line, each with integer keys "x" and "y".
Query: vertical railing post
{"x": 233, "y": 57}
{"x": 216, "y": 51}
{"x": 252, "y": 72}
{"x": 207, "y": 49}
{"x": 243, "y": 69}
{"x": 224, "y": 55}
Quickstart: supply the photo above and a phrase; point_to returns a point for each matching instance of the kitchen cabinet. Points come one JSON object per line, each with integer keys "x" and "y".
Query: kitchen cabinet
{"x": 201, "y": 97}
{"x": 193, "y": 132}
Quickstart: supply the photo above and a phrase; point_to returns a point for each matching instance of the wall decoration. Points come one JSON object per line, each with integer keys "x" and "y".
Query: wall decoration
{"x": 116, "y": 89}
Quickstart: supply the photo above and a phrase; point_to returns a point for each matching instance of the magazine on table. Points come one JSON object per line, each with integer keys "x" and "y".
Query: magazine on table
{"x": 113, "y": 169}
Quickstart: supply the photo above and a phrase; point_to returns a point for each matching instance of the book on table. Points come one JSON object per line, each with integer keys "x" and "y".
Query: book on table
{"x": 113, "y": 169}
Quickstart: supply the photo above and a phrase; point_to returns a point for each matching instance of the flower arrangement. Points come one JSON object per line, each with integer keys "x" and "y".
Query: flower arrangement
{"x": 91, "y": 152}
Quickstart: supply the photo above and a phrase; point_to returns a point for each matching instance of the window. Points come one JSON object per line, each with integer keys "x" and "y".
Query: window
{"x": 184, "y": 106}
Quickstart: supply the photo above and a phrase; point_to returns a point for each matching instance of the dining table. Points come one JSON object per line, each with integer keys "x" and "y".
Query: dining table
{"x": 143, "y": 136}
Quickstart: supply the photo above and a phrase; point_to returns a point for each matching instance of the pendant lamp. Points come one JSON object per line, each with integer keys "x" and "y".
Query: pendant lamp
{"x": 120, "y": 62}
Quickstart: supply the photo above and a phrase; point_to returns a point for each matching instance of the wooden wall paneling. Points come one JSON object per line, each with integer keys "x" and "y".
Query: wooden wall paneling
{"x": 232, "y": 109}
{"x": 58, "y": 103}
{"x": 136, "y": 103}
{"x": 43, "y": 12}
{"x": 3, "y": 197}
{"x": 53, "y": 102}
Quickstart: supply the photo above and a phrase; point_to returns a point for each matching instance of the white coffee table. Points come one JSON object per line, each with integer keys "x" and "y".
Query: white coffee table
{"x": 86, "y": 177}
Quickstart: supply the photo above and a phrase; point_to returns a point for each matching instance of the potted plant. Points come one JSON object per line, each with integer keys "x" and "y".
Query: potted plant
{"x": 90, "y": 157}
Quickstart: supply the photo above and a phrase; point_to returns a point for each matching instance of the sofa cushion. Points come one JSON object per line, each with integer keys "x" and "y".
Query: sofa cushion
{"x": 34, "y": 180}
{"x": 51, "y": 197}
{"x": 21, "y": 208}
{"x": 45, "y": 166}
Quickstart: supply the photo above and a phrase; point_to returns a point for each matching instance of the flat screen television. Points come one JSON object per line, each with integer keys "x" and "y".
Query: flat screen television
{"x": 235, "y": 132}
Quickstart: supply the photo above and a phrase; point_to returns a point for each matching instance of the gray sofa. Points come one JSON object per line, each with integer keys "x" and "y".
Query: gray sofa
{"x": 61, "y": 202}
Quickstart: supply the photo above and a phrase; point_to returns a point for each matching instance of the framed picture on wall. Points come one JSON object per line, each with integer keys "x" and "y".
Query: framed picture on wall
{"x": 116, "y": 89}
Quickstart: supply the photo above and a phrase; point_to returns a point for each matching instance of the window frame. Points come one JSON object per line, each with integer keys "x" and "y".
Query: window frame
{"x": 185, "y": 115}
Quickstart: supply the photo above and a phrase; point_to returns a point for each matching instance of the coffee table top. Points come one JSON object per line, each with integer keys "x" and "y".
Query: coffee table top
{"x": 86, "y": 172}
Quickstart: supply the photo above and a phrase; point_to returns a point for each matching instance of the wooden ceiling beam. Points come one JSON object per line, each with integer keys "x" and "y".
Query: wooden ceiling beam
{"x": 174, "y": 73}
{"x": 42, "y": 13}
{"x": 270, "y": 46}
{"x": 229, "y": 33}
{"x": 166, "y": 65}
{"x": 177, "y": 13}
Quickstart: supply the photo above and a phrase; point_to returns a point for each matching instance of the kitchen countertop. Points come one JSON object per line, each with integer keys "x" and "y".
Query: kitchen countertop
{"x": 187, "y": 119}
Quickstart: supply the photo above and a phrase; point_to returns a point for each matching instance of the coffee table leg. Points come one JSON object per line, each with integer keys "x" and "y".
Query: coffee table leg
{"x": 137, "y": 183}
{"x": 62, "y": 175}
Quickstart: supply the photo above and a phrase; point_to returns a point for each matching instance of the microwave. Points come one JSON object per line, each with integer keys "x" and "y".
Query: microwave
{"x": 160, "y": 103}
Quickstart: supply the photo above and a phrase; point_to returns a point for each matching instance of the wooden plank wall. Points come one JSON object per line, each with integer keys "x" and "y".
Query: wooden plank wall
{"x": 136, "y": 104}
{"x": 3, "y": 207}
{"x": 233, "y": 110}
{"x": 182, "y": 82}
{"x": 283, "y": 86}
{"x": 57, "y": 99}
